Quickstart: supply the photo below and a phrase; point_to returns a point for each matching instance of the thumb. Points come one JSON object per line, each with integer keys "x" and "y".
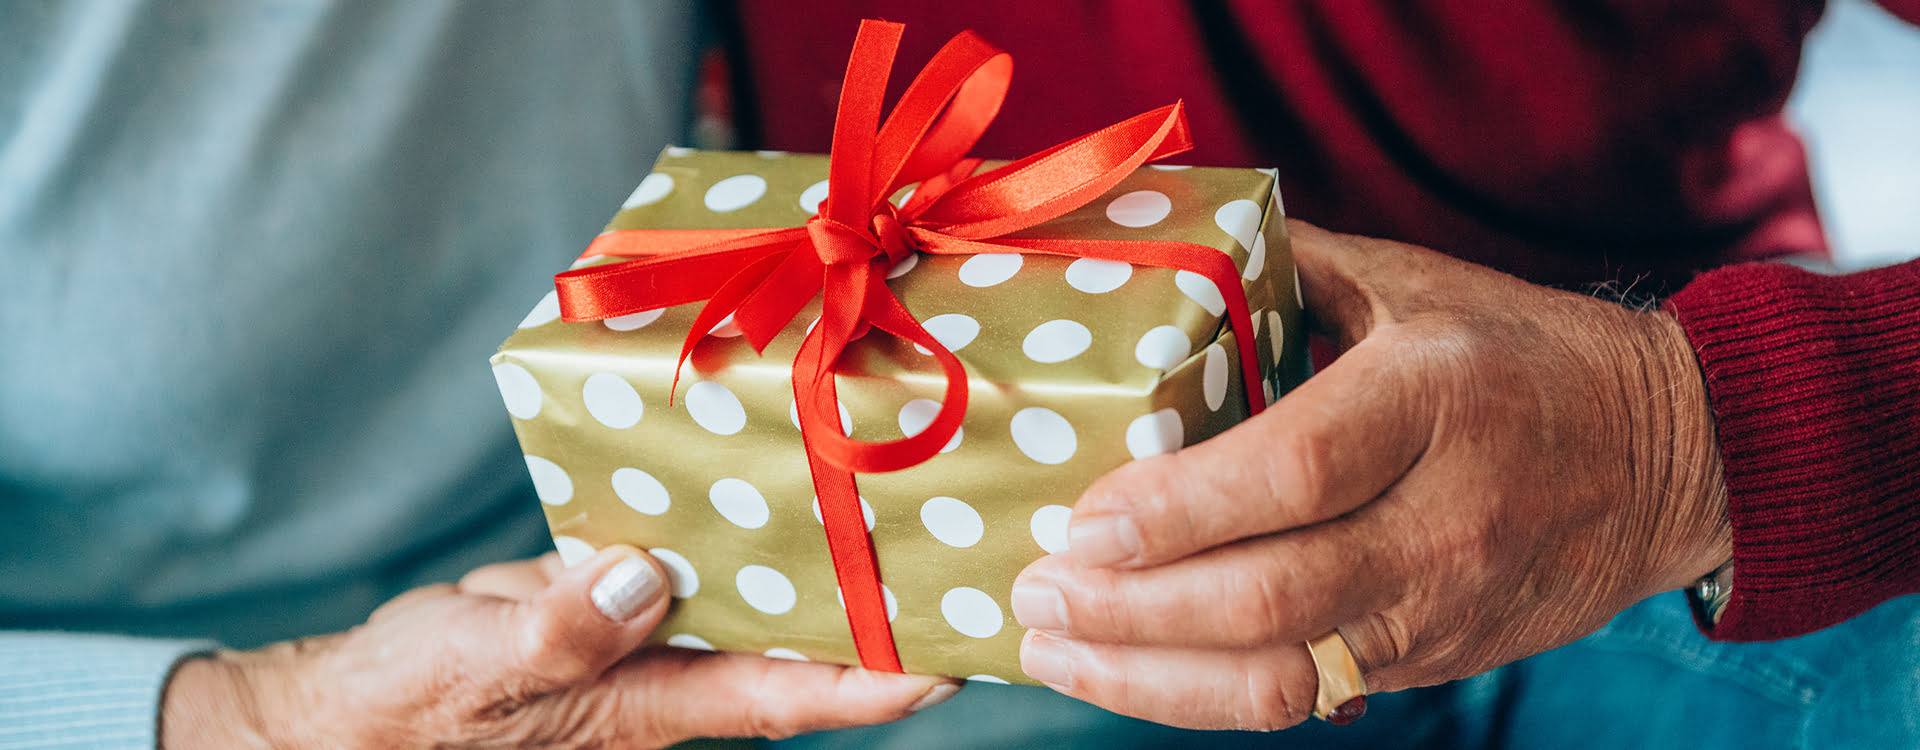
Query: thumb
{"x": 590, "y": 617}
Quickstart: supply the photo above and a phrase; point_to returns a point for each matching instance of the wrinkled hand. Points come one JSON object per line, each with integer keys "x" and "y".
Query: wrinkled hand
{"x": 1491, "y": 469}
{"x": 523, "y": 654}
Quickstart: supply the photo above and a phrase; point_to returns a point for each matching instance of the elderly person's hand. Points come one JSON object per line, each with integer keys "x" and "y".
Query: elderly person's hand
{"x": 523, "y": 654}
{"x": 1491, "y": 469}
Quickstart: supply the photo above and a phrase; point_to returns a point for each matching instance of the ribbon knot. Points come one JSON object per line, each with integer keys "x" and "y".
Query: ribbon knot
{"x": 892, "y": 237}
{"x": 835, "y": 243}
{"x": 764, "y": 277}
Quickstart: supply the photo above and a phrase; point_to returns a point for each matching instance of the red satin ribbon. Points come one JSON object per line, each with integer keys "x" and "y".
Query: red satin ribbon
{"x": 763, "y": 277}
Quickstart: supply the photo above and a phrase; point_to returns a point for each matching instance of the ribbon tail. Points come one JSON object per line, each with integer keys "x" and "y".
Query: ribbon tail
{"x": 855, "y": 564}
{"x": 628, "y": 243}
{"x": 650, "y": 282}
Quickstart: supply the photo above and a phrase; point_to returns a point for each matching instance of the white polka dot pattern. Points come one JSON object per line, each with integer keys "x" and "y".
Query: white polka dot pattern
{"x": 989, "y": 269}
{"x": 1162, "y": 348}
{"x": 813, "y": 196}
{"x": 1213, "y": 380}
{"x": 550, "y": 482}
{"x": 918, "y": 414}
{"x": 640, "y": 491}
{"x": 726, "y": 328}
{"x": 572, "y": 551}
{"x": 765, "y": 589}
{"x": 906, "y": 264}
{"x": 1095, "y": 276}
{"x": 518, "y": 389}
{"x": 1056, "y": 341}
{"x": 650, "y": 190}
{"x": 739, "y": 502}
{"x": 972, "y": 612}
{"x": 1256, "y": 258}
{"x": 953, "y": 522}
{"x": 735, "y": 193}
{"x": 1049, "y": 528}
{"x": 689, "y": 641}
{"x": 546, "y": 312}
{"x": 611, "y": 400}
{"x": 1140, "y": 208}
{"x": 632, "y": 322}
{"x": 1043, "y": 435}
{"x": 1277, "y": 332}
{"x": 1241, "y": 219}
{"x": 1201, "y": 290}
{"x": 953, "y": 330}
{"x": 680, "y": 573}
{"x": 715, "y": 408}
{"x": 1154, "y": 434}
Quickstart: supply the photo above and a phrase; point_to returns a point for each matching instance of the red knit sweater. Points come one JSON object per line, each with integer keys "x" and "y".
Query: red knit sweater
{"x": 1611, "y": 140}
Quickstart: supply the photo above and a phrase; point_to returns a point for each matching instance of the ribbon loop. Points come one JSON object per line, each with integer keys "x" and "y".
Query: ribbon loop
{"x": 763, "y": 278}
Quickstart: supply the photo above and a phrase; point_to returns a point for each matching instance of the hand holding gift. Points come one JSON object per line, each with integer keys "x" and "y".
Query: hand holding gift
{"x": 1490, "y": 470}
{"x": 520, "y": 654}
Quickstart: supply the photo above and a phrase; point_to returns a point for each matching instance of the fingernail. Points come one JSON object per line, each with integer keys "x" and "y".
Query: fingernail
{"x": 1104, "y": 540}
{"x": 1039, "y": 606}
{"x": 1048, "y": 661}
{"x": 626, "y": 589}
{"x": 938, "y": 695}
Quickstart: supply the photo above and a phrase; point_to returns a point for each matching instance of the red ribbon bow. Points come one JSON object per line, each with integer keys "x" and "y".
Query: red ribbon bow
{"x": 764, "y": 277}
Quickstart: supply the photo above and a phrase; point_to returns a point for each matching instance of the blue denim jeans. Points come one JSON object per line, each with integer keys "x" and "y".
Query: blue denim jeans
{"x": 1647, "y": 680}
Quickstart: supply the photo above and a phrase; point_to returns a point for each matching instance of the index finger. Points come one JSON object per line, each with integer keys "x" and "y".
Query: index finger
{"x": 684, "y": 693}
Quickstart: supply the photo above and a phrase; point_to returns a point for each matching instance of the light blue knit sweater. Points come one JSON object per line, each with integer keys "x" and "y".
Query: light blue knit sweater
{"x": 253, "y": 257}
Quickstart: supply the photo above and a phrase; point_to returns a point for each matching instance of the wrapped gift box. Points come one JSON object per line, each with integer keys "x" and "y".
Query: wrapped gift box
{"x": 1075, "y": 367}
{"x": 649, "y": 419}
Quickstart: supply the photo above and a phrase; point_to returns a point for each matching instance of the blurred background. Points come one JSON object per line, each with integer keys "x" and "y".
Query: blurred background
{"x": 1858, "y": 105}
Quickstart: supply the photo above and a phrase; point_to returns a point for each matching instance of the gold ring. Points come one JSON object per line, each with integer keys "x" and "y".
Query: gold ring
{"x": 1340, "y": 679}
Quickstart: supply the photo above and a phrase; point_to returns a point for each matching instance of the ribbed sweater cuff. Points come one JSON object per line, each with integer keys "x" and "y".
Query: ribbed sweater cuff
{"x": 60, "y": 690}
{"x": 1815, "y": 387}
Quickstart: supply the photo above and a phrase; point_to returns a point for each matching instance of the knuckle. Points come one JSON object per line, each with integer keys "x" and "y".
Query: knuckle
{"x": 1253, "y": 606}
{"x": 1273, "y": 702}
{"x": 765, "y": 715}
{"x": 1160, "y": 513}
{"x": 1303, "y": 470}
{"x": 1113, "y": 620}
{"x": 549, "y": 652}
{"x": 412, "y": 598}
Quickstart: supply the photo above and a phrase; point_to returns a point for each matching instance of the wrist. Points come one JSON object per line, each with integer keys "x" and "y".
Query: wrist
{"x": 217, "y": 701}
{"x": 1694, "y": 525}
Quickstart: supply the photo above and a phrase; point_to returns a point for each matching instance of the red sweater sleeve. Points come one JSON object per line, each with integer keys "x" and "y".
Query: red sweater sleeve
{"x": 1815, "y": 388}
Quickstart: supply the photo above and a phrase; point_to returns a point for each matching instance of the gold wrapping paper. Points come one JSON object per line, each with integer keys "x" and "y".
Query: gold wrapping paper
{"x": 1076, "y": 367}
